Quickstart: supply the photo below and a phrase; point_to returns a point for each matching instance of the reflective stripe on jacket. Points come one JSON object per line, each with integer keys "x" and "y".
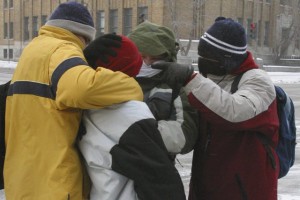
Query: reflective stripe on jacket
{"x": 50, "y": 86}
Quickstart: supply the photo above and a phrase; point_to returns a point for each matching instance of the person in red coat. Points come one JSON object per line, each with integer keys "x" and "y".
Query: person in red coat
{"x": 230, "y": 161}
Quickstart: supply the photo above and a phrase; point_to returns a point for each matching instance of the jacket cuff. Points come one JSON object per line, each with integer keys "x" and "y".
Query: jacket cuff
{"x": 191, "y": 77}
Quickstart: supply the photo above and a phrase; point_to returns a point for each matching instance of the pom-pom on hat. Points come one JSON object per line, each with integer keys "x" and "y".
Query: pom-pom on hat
{"x": 128, "y": 59}
{"x": 74, "y": 17}
{"x": 225, "y": 41}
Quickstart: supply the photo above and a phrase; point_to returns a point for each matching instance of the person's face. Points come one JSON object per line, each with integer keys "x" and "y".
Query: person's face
{"x": 151, "y": 59}
{"x": 210, "y": 66}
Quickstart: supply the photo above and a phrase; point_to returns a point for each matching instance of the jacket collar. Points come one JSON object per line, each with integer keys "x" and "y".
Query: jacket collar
{"x": 61, "y": 33}
{"x": 248, "y": 64}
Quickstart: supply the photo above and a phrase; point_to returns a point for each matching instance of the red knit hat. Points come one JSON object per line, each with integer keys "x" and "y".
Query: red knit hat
{"x": 128, "y": 59}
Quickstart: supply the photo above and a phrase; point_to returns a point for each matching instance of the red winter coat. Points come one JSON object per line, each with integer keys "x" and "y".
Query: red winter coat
{"x": 230, "y": 161}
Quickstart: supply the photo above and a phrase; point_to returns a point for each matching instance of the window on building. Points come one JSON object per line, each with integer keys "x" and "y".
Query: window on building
{"x": 258, "y": 29}
{"x": 26, "y": 29}
{"x": 127, "y": 23}
{"x": 11, "y": 30}
{"x": 5, "y": 29}
{"x": 297, "y": 43}
{"x": 283, "y": 2}
{"x": 8, "y": 30}
{"x": 5, "y": 54}
{"x": 35, "y": 26}
{"x": 11, "y": 3}
{"x": 100, "y": 22}
{"x": 43, "y": 20}
{"x": 8, "y": 53}
{"x": 248, "y": 30}
{"x": 11, "y": 54}
{"x": 113, "y": 21}
{"x": 240, "y": 20}
{"x": 8, "y": 3}
{"x": 251, "y": 30}
{"x": 267, "y": 32}
{"x": 142, "y": 14}
{"x": 268, "y": 1}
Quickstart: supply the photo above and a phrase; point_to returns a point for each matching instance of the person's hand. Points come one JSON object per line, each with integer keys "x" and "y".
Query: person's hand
{"x": 101, "y": 48}
{"x": 174, "y": 74}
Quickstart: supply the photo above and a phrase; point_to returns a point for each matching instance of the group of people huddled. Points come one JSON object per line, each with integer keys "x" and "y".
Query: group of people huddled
{"x": 104, "y": 118}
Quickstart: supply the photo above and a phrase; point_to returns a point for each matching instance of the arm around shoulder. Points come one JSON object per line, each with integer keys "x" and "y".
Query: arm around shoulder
{"x": 85, "y": 88}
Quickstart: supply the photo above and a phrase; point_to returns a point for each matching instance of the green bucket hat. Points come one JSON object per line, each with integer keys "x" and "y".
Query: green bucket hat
{"x": 154, "y": 40}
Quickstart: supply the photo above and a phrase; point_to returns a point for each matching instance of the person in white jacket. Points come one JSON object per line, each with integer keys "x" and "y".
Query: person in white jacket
{"x": 125, "y": 154}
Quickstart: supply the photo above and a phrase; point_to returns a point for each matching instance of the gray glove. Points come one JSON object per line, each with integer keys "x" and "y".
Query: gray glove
{"x": 174, "y": 74}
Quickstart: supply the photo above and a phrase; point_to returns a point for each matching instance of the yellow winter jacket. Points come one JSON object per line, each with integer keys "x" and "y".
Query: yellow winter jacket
{"x": 50, "y": 87}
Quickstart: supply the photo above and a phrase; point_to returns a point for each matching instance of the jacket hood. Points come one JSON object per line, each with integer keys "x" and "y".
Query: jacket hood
{"x": 60, "y": 33}
{"x": 153, "y": 40}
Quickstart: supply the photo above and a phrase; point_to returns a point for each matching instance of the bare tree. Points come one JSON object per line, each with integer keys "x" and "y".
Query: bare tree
{"x": 177, "y": 23}
{"x": 287, "y": 32}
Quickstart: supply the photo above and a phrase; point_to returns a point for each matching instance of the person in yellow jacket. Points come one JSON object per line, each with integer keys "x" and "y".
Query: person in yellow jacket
{"x": 51, "y": 85}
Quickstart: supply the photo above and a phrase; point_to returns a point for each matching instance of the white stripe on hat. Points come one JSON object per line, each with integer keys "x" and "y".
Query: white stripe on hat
{"x": 213, "y": 41}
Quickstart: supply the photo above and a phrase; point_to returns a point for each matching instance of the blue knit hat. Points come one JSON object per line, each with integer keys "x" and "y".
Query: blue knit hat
{"x": 74, "y": 17}
{"x": 225, "y": 41}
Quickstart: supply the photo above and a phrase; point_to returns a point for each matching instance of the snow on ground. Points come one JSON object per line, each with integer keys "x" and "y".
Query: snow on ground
{"x": 7, "y": 64}
{"x": 285, "y": 77}
{"x": 277, "y": 77}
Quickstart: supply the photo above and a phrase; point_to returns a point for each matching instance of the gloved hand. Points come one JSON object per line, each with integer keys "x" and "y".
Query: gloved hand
{"x": 101, "y": 48}
{"x": 174, "y": 74}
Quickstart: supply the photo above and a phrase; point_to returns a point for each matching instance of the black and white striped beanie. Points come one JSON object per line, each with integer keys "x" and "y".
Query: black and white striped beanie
{"x": 225, "y": 41}
{"x": 74, "y": 17}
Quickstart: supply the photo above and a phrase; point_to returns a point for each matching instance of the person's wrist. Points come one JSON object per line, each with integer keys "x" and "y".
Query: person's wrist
{"x": 190, "y": 78}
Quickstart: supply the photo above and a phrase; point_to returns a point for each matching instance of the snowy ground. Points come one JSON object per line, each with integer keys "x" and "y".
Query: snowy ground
{"x": 288, "y": 187}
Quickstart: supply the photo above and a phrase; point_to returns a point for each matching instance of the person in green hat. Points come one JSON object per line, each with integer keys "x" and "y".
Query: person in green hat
{"x": 177, "y": 120}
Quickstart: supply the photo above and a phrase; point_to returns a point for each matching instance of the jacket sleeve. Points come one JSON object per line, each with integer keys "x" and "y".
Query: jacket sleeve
{"x": 180, "y": 134}
{"x": 142, "y": 157}
{"x": 3, "y": 95}
{"x": 252, "y": 106}
{"x": 80, "y": 86}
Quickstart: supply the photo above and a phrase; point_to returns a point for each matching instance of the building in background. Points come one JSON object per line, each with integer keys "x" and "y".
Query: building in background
{"x": 272, "y": 25}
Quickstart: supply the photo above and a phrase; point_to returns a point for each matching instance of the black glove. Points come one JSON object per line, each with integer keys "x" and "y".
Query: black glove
{"x": 174, "y": 74}
{"x": 101, "y": 48}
